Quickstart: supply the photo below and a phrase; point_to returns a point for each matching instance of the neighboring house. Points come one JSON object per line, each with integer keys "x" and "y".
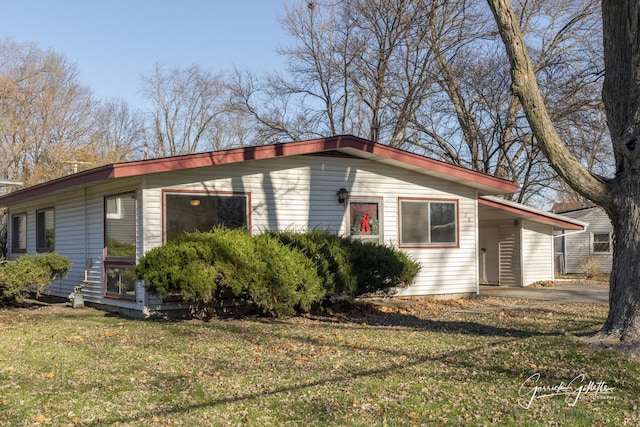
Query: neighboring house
{"x": 596, "y": 241}
{"x": 443, "y": 216}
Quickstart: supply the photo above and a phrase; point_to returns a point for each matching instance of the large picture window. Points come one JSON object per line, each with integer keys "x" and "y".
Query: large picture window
{"x": 203, "y": 212}
{"x": 365, "y": 219}
{"x": 19, "y": 233}
{"x": 120, "y": 245}
{"x": 45, "y": 230}
{"x": 428, "y": 222}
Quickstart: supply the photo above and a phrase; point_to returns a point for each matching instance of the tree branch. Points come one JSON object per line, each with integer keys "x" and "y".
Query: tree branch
{"x": 526, "y": 88}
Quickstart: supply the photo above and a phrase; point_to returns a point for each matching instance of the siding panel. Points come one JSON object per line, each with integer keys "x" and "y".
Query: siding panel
{"x": 537, "y": 252}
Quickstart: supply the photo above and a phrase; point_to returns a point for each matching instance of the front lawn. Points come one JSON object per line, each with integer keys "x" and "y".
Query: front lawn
{"x": 428, "y": 363}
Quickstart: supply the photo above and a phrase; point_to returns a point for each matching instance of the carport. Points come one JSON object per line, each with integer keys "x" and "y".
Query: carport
{"x": 515, "y": 242}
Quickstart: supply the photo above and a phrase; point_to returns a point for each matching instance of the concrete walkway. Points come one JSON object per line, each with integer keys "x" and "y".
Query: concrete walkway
{"x": 560, "y": 293}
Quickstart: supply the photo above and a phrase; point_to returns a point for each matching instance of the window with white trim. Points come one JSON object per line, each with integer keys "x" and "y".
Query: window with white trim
{"x": 365, "y": 219}
{"x": 601, "y": 243}
{"x": 428, "y": 222}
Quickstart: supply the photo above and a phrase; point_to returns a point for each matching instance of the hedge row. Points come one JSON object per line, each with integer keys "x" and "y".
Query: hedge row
{"x": 280, "y": 273}
{"x": 30, "y": 273}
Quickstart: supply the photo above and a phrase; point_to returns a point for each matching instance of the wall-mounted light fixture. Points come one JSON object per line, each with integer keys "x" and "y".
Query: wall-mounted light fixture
{"x": 342, "y": 195}
{"x": 194, "y": 202}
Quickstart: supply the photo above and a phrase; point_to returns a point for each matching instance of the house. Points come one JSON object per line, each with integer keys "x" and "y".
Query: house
{"x": 596, "y": 241}
{"x": 448, "y": 218}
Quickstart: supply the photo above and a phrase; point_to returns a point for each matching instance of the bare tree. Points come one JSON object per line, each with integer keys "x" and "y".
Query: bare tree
{"x": 118, "y": 133}
{"x": 430, "y": 76}
{"x": 46, "y": 116}
{"x": 491, "y": 134}
{"x": 618, "y": 194}
{"x": 186, "y": 104}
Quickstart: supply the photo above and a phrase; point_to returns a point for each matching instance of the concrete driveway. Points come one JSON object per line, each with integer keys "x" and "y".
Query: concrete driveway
{"x": 560, "y": 293}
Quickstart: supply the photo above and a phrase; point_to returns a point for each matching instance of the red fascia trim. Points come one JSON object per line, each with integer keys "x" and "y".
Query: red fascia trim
{"x": 431, "y": 164}
{"x": 243, "y": 154}
{"x": 103, "y": 172}
{"x": 532, "y": 215}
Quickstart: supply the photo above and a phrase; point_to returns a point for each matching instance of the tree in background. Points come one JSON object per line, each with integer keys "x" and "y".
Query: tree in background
{"x": 44, "y": 121}
{"x": 619, "y": 193}
{"x": 431, "y": 77}
{"x": 118, "y": 132}
{"x": 50, "y": 124}
{"x": 187, "y": 105}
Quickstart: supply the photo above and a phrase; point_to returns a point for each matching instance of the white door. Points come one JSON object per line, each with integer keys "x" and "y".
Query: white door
{"x": 489, "y": 259}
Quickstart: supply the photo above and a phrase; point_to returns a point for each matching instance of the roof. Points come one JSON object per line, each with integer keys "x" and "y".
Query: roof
{"x": 492, "y": 207}
{"x": 345, "y": 144}
{"x": 563, "y": 207}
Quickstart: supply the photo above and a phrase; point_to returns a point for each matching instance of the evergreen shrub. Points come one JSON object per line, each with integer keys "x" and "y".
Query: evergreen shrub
{"x": 204, "y": 267}
{"x": 352, "y": 267}
{"x": 30, "y": 273}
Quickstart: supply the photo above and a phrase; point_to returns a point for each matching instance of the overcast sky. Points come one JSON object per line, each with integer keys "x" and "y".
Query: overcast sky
{"x": 114, "y": 42}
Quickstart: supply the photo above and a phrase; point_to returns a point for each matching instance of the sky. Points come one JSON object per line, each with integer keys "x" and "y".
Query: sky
{"x": 114, "y": 42}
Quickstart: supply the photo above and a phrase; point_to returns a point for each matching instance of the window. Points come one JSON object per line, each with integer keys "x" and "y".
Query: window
{"x": 203, "y": 212}
{"x": 120, "y": 245}
{"x": 113, "y": 208}
{"x": 45, "y": 230}
{"x": 428, "y": 223}
{"x": 601, "y": 242}
{"x": 365, "y": 219}
{"x": 19, "y": 233}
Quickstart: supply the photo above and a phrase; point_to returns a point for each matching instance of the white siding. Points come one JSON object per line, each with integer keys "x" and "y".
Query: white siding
{"x": 299, "y": 193}
{"x": 79, "y": 235}
{"x": 537, "y": 252}
{"x": 510, "y": 255}
{"x": 578, "y": 245}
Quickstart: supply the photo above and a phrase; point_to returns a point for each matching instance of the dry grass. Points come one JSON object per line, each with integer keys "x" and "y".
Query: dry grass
{"x": 414, "y": 363}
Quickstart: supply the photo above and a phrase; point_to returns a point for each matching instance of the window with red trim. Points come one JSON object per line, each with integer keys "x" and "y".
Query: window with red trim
{"x": 203, "y": 212}
{"x": 428, "y": 223}
{"x": 120, "y": 245}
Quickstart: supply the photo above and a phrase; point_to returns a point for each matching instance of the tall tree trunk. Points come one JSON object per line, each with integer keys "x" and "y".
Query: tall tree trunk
{"x": 619, "y": 196}
{"x": 623, "y": 321}
{"x": 621, "y": 95}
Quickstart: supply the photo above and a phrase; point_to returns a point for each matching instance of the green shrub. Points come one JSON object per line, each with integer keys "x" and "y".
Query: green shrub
{"x": 19, "y": 277}
{"x": 57, "y": 265}
{"x": 280, "y": 273}
{"x": 351, "y": 267}
{"x": 380, "y": 267}
{"x": 202, "y": 267}
{"x": 285, "y": 280}
{"x": 330, "y": 254}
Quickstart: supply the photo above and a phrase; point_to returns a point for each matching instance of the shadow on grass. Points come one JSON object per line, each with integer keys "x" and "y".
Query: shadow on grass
{"x": 483, "y": 356}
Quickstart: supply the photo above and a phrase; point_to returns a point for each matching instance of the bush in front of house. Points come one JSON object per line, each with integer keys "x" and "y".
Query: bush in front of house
{"x": 285, "y": 281}
{"x": 204, "y": 267}
{"x": 30, "y": 274}
{"x": 380, "y": 268}
{"x": 590, "y": 266}
{"x": 57, "y": 265}
{"x": 352, "y": 267}
{"x": 330, "y": 254}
